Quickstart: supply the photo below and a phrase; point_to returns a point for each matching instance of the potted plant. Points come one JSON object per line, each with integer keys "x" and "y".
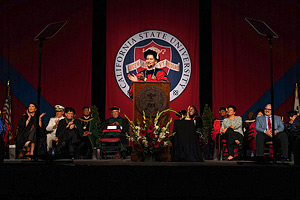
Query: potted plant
{"x": 207, "y": 118}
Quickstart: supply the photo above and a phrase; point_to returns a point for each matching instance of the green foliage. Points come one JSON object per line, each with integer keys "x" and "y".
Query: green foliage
{"x": 95, "y": 115}
{"x": 208, "y": 119}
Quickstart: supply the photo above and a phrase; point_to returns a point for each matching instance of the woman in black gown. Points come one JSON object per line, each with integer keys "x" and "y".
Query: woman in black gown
{"x": 27, "y": 133}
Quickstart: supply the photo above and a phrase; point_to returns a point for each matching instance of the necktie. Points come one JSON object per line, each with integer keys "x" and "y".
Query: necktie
{"x": 269, "y": 124}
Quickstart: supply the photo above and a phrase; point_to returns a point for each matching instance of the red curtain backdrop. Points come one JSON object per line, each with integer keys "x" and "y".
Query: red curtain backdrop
{"x": 66, "y": 59}
{"x": 241, "y": 58}
{"x": 126, "y": 18}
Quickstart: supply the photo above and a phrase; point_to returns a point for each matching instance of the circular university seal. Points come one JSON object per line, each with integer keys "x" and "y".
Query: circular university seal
{"x": 174, "y": 59}
{"x": 151, "y": 99}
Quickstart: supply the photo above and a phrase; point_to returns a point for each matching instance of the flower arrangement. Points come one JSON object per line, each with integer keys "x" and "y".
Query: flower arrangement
{"x": 150, "y": 136}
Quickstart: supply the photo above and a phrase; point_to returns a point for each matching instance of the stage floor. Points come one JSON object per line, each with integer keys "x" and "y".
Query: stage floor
{"x": 124, "y": 179}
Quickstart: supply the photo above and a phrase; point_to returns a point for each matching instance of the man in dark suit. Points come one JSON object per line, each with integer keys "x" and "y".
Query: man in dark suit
{"x": 263, "y": 126}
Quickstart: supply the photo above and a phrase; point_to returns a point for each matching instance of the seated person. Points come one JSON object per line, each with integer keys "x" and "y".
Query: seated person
{"x": 289, "y": 126}
{"x": 232, "y": 130}
{"x": 3, "y": 129}
{"x": 52, "y": 125}
{"x": 263, "y": 126}
{"x": 27, "y": 132}
{"x": 215, "y": 134}
{"x": 120, "y": 123}
{"x": 249, "y": 133}
{"x": 90, "y": 133}
{"x": 69, "y": 132}
{"x": 296, "y": 141}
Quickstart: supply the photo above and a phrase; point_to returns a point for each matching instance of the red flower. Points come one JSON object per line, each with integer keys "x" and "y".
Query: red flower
{"x": 134, "y": 143}
{"x": 156, "y": 145}
{"x": 150, "y": 144}
{"x": 140, "y": 149}
{"x": 167, "y": 134}
{"x": 150, "y": 128}
{"x": 142, "y": 133}
{"x": 170, "y": 144}
{"x": 140, "y": 140}
{"x": 146, "y": 119}
{"x": 151, "y": 135}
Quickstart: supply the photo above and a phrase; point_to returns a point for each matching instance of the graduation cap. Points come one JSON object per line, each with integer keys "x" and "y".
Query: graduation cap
{"x": 292, "y": 113}
{"x": 114, "y": 108}
{"x": 151, "y": 52}
{"x": 59, "y": 108}
{"x": 181, "y": 113}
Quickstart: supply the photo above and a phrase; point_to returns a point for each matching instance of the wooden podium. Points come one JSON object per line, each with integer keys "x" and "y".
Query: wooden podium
{"x": 150, "y": 97}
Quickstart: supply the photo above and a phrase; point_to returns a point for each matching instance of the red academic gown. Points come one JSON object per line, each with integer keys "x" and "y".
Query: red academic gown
{"x": 154, "y": 75}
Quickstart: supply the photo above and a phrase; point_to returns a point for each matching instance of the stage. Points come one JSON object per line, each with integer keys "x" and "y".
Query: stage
{"x": 124, "y": 179}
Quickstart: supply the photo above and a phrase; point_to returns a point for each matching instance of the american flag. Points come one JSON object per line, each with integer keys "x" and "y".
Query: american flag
{"x": 6, "y": 114}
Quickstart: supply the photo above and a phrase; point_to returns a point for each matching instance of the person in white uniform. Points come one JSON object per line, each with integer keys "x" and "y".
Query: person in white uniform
{"x": 52, "y": 125}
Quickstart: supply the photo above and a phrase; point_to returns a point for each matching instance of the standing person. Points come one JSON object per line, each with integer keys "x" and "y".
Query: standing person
{"x": 52, "y": 125}
{"x": 232, "y": 130}
{"x": 122, "y": 124}
{"x": 263, "y": 126}
{"x": 26, "y": 132}
{"x": 90, "y": 133}
{"x": 151, "y": 74}
{"x": 192, "y": 114}
{"x": 69, "y": 132}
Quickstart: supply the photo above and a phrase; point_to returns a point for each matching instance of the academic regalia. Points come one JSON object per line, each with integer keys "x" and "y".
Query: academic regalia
{"x": 68, "y": 139}
{"x": 28, "y": 133}
{"x": 123, "y": 125}
{"x": 153, "y": 75}
{"x": 87, "y": 143}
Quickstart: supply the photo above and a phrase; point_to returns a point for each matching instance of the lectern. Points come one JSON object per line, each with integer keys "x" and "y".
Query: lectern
{"x": 150, "y": 97}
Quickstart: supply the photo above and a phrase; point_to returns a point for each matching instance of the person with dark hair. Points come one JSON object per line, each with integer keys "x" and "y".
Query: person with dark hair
{"x": 296, "y": 140}
{"x": 249, "y": 133}
{"x": 90, "y": 133}
{"x": 223, "y": 113}
{"x": 232, "y": 130}
{"x": 151, "y": 74}
{"x": 26, "y": 137}
{"x": 263, "y": 126}
{"x": 289, "y": 126}
{"x": 69, "y": 131}
{"x": 192, "y": 114}
{"x": 259, "y": 112}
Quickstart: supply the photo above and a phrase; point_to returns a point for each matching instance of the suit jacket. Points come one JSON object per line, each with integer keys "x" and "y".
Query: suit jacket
{"x": 261, "y": 124}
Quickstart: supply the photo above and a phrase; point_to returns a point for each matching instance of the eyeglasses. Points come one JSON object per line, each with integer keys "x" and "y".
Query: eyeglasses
{"x": 268, "y": 109}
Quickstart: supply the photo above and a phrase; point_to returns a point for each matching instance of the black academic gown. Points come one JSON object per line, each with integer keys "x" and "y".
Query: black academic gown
{"x": 68, "y": 139}
{"x": 23, "y": 133}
